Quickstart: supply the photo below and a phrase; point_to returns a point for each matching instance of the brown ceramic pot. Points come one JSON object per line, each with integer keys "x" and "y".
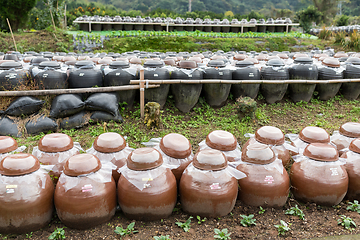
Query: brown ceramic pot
{"x": 111, "y": 143}
{"x": 267, "y": 182}
{"x": 223, "y": 141}
{"x": 318, "y": 178}
{"x": 7, "y": 144}
{"x": 309, "y": 135}
{"x": 177, "y": 146}
{"x": 156, "y": 198}
{"x": 353, "y": 169}
{"x": 275, "y": 138}
{"x": 26, "y": 199}
{"x": 54, "y": 148}
{"x": 88, "y": 202}
{"x": 347, "y": 132}
{"x": 208, "y": 193}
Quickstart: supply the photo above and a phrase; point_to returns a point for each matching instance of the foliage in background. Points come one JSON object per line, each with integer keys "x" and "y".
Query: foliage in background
{"x": 307, "y": 16}
{"x": 343, "y": 20}
{"x": 16, "y": 11}
{"x": 328, "y": 8}
{"x": 40, "y": 18}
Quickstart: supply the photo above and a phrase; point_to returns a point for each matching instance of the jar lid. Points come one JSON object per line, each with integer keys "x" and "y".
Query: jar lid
{"x": 340, "y": 55}
{"x": 300, "y": 55}
{"x": 109, "y": 142}
{"x": 144, "y": 159}
{"x": 258, "y": 153}
{"x": 105, "y": 61}
{"x": 221, "y": 140}
{"x": 7, "y": 144}
{"x": 270, "y": 135}
{"x": 216, "y": 63}
{"x": 84, "y": 63}
{"x": 331, "y": 62}
{"x": 135, "y": 60}
{"x": 261, "y": 57}
{"x": 19, "y": 164}
{"x": 312, "y": 134}
{"x": 215, "y": 57}
{"x": 80, "y": 58}
{"x": 353, "y": 60}
{"x": 239, "y": 57}
{"x": 9, "y": 65}
{"x": 50, "y": 64}
{"x": 170, "y": 62}
{"x": 175, "y": 145}
{"x": 81, "y": 164}
{"x": 189, "y": 64}
{"x": 28, "y": 59}
{"x": 210, "y": 159}
{"x": 55, "y": 142}
{"x": 303, "y": 60}
{"x": 195, "y": 59}
{"x": 68, "y": 58}
{"x": 153, "y": 64}
{"x": 275, "y": 62}
{"x": 244, "y": 63}
{"x": 321, "y": 152}
{"x": 119, "y": 64}
{"x": 283, "y": 55}
{"x": 350, "y": 129}
{"x": 355, "y": 145}
{"x": 255, "y": 61}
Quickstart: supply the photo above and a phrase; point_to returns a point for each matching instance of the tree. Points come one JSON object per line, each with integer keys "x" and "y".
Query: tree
{"x": 328, "y": 8}
{"x": 308, "y": 16}
{"x": 16, "y": 11}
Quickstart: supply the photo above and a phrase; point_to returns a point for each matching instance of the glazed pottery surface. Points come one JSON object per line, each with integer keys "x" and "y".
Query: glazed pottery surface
{"x": 353, "y": 169}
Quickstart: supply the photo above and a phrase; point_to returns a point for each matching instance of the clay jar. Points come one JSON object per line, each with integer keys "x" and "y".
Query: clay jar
{"x": 353, "y": 169}
{"x": 223, "y": 141}
{"x": 7, "y": 145}
{"x": 206, "y": 189}
{"x": 146, "y": 189}
{"x": 85, "y": 194}
{"x": 55, "y": 149}
{"x": 309, "y": 135}
{"x": 176, "y": 147}
{"x": 26, "y": 194}
{"x": 347, "y": 132}
{"x": 111, "y": 147}
{"x": 318, "y": 176}
{"x": 275, "y": 138}
{"x": 267, "y": 183}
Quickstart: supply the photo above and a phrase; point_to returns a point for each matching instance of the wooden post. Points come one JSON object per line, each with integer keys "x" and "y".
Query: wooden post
{"x": 142, "y": 93}
{"x": 287, "y": 28}
{"x": 242, "y": 28}
{"x": 11, "y": 33}
{"x": 65, "y": 20}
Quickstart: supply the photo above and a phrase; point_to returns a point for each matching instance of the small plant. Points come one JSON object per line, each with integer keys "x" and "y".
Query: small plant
{"x": 346, "y": 222}
{"x": 58, "y": 233}
{"x": 127, "y": 231}
{"x": 355, "y": 206}
{"x": 283, "y": 227}
{"x": 29, "y": 235}
{"x": 186, "y": 225}
{"x": 262, "y": 211}
{"x": 167, "y": 237}
{"x": 223, "y": 234}
{"x": 296, "y": 211}
{"x": 247, "y": 221}
{"x": 200, "y": 220}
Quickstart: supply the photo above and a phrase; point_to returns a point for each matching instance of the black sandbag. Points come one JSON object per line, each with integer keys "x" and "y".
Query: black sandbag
{"x": 8, "y": 128}
{"x": 66, "y": 105}
{"x": 76, "y": 121}
{"x": 41, "y": 124}
{"x": 99, "y": 116}
{"x": 106, "y": 102}
{"x": 24, "y": 106}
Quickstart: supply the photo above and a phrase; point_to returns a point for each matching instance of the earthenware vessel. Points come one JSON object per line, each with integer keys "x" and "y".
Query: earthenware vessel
{"x": 146, "y": 190}
{"x": 319, "y": 176}
{"x": 85, "y": 194}
{"x": 7, "y": 145}
{"x": 347, "y": 133}
{"x": 245, "y": 70}
{"x": 267, "y": 183}
{"x": 26, "y": 194}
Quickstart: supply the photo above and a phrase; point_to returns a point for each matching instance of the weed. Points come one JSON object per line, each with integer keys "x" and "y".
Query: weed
{"x": 167, "y": 237}
{"x": 200, "y": 220}
{"x": 296, "y": 211}
{"x": 355, "y": 206}
{"x": 186, "y": 225}
{"x": 283, "y": 227}
{"x": 29, "y": 235}
{"x": 346, "y": 222}
{"x": 261, "y": 210}
{"x": 127, "y": 231}
{"x": 58, "y": 233}
{"x": 247, "y": 221}
{"x": 223, "y": 234}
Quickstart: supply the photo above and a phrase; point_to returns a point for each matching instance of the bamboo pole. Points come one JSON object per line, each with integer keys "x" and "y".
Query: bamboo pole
{"x": 179, "y": 81}
{"x": 52, "y": 18}
{"x": 11, "y": 33}
{"x": 142, "y": 93}
{"x": 73, "y": 90}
